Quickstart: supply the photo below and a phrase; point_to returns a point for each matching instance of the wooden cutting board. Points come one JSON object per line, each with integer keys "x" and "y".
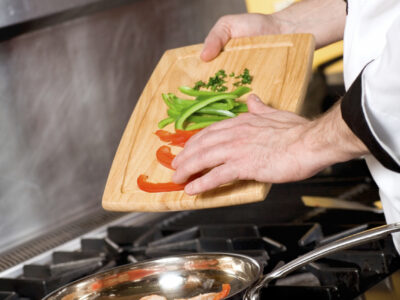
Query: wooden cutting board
{"x": 281, "y": 66}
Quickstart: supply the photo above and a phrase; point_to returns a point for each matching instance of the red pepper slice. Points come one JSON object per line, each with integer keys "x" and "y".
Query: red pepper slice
{"x": 226, "y": 288}
{"x": 151, "y": 187}
{"x": 185, "y": 135}
{"x": 164, "y": 135}
{"x": 165, "y": 157}
{"x": 179, "y": 138}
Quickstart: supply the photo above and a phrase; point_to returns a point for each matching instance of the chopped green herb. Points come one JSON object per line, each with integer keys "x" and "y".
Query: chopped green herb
{"x": 216, "y": 83}
{"x": 245, "y": 78}
{"x": 221, "y": 73}
{"x": 199, "y": 84}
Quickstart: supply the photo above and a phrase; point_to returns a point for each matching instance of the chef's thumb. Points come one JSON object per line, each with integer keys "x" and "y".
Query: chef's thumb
{"x": 256, "y": 106}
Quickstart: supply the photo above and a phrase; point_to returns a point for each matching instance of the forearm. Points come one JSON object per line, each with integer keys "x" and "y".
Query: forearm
{"x": 325, "y": 19}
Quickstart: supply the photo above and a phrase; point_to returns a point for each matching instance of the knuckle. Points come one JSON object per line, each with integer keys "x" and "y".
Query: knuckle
{"x": 216, "y": 173}
{"x": 201, "y": 183}
{"x": 247, "y": 127}
{"x": 243, "y": 116}
{"x": 234, "y": 174}
{"x": 268, "y": 131}
{"x": 238, "y": 143}
{"x": 186, "y": 169}
{"x": 213, "y": 179}
{"x": 181, "y": 157}
{"x": 201, "y": 142}
{"x": 201, "y": 157}
{"x": 238, "y": 168}
{"x": 243, "y": 173}
{"x": 224, "y": 24}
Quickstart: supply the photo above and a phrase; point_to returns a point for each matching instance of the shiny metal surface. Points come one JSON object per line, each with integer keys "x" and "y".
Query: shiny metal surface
{"x": 28, "y": 12}
{"x": 174, "y": 277}
{"x": 193, "y": 274}
{"x": 18, "y": 11}
{"x": 333, "y": 247}
{"x": 66, "y": 93}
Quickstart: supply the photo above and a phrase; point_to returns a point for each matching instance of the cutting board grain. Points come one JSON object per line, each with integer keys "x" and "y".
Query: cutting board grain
{"x": 281, "y": 66}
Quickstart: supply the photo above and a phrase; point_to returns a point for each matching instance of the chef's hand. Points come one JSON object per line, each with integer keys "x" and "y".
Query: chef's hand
{"x": 265, "y": 145}
{"x": 325, "y": 20}
{"x": 234, "y": 26}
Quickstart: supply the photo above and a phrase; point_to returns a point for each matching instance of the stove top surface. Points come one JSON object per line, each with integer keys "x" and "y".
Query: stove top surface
{"x": 273, "y": 232}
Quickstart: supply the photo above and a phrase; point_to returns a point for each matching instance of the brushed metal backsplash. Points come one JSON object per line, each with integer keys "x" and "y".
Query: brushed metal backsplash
{"x": 66, "y": 93}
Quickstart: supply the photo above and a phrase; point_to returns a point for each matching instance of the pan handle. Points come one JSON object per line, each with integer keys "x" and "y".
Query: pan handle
{"x": 351, "y": 241}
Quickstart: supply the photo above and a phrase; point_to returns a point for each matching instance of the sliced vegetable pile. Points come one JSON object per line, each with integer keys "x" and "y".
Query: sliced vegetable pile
{"x": 211, "y": 104}
{"x": 208, "y": 106}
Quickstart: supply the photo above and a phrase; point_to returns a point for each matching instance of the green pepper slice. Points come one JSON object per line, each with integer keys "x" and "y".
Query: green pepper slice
{"x": 199, "y": 105}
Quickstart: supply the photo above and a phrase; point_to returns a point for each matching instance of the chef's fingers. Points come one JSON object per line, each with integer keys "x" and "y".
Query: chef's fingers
{"x": 201, "y": 160}
{"x": 240, "y": 127}
{"x": 233, "y": 135}
{"x": 225, "y": 124}
{"x": 204, "y": 142}
{"x": 214, "y": 178}
{"x": 217, "y": 38}
{"x": 255, "y": 107}
{"x": 235, "y": 130}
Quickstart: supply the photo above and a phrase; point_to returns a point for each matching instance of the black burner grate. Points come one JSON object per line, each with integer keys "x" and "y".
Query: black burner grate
{"x": 254, "y": 230}
{"x": 343, "y": 275}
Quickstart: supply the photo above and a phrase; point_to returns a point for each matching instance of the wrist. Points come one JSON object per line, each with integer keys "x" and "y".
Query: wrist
{"x": 324, "y": 19}
{"x": 282, "y": 23}
{"x": 329, "y": 139}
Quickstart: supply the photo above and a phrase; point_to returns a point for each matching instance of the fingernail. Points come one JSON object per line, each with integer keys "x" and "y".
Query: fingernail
{"x": 188, "y": 188}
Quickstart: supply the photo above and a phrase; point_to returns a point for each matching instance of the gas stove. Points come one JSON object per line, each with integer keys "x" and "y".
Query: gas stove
{"x": 253, "y": 230}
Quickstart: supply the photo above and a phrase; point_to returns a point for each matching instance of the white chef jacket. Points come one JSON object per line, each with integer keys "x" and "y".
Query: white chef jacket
{"x": 371, "y": 105}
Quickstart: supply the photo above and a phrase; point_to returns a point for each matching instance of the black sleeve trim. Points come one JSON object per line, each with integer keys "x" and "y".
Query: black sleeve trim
{"x": 353, "y": 115}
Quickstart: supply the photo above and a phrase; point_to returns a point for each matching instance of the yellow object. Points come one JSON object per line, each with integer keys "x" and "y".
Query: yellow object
{"x": 322, "y": 55}
{"x": 378, "y": 204}
{"x": 267, "y": 6}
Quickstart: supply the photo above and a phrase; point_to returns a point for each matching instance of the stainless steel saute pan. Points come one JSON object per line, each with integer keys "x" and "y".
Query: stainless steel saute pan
{"x": 189, "y": 275}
